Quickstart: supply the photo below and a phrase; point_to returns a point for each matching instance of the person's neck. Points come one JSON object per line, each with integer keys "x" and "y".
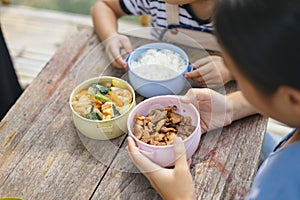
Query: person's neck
{"x": 294, "y": 138}
{"x": 203, "y": 9}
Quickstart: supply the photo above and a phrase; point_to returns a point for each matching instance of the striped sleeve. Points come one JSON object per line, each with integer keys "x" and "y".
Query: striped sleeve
{"x": 135, "y": 7}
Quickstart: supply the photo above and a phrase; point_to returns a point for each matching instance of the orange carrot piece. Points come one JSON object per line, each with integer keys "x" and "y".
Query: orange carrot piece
{"x": 97, "y": 101}
{"x": 115, "y": 99}
{"x": 98, "y": 105}
{"x": 81, "y": 93}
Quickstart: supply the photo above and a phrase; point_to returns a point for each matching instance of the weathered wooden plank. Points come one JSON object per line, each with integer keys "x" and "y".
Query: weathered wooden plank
{"x": 46, "y": 15}
{"x": 35, "y": 34}
{"x": 37, "y": 52}
{"x": 27, "y": 69}
{"x": 223, "y": 166}
{"x": 38, "y": 136}
{"x": 227, "y": 161}
{"x": 122, "y": 185}
{"x": 52, "y": 129}
{"x": 39, "y": 163}
{"x": 52, "y": 75}
{"x": 42, "y": 148}
{"x": 28, "y": 66}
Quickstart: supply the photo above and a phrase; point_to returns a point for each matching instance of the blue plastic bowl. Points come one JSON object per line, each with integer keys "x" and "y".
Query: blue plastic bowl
{"x": 149, "y": 88}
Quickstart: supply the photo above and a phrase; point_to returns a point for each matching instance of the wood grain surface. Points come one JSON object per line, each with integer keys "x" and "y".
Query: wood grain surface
{"x": 42, "y": 156}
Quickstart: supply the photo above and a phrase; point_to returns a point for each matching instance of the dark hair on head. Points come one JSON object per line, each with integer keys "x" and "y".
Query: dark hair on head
{"x": 263, "y": 39}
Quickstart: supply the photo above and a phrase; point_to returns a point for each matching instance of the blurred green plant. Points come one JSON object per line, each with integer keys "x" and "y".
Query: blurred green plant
{"x": 72, "y": 6}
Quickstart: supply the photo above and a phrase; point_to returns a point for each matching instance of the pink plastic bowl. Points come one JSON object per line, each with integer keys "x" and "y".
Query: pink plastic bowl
{"x": 164, "y": 155}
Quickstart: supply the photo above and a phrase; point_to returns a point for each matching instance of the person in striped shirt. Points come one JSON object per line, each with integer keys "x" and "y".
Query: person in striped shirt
{"x": 193, "y": 15}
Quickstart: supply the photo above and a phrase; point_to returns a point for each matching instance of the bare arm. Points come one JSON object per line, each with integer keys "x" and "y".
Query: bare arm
{"x": 218, "y": 110}
{"x": 105, "y": 13}
{"x": 239, "y": 106}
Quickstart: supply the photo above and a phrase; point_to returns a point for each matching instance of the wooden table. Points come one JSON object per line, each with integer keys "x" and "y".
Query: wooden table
{"x": 42, "y": 156}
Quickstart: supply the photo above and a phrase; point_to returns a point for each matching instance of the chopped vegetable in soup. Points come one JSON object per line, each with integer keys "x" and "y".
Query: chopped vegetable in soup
{"x": 102, "y": 101}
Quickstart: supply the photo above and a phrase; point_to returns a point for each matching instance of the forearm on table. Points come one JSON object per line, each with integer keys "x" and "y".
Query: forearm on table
{"x": 105, "y": 19}
{"x": 239, "y": 107}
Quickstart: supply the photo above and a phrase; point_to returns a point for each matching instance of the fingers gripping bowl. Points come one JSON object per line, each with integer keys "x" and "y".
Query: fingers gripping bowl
{"x": 164, "y": 155}
{"x": 100, "y": 107}
{"x": 158, "y": 69}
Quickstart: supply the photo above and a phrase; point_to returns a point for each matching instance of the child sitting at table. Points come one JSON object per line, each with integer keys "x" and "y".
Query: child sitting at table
{"x": 268, "y": 76}
{"x": 192, "y": 17}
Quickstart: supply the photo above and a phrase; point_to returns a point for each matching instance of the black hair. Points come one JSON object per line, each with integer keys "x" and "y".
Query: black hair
{"x": 263, "y": 39}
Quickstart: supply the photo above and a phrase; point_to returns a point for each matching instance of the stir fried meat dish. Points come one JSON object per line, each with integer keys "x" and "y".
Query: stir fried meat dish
{"x": 161, "y": 126}
{"x": 102, "y": 101}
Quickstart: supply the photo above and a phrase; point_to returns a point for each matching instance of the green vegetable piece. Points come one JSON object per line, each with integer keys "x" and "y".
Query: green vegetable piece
{"x": 100, "y": 88}
{"x": 93, "y": 116}
{"x": 116, "y": 112}
{"x": 118, "y": 83}
{"x": 102, "y": 97}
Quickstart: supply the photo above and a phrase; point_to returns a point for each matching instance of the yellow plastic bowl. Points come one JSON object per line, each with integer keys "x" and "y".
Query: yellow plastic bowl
{"x": 98, "y": 129}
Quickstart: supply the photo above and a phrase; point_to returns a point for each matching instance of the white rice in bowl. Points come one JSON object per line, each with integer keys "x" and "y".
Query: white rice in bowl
{"x": 157, "y": 64}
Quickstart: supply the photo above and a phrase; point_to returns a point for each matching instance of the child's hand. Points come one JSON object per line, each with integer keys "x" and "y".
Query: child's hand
{"x": 215, "y": 109}
{"x": 176, "y": 183}
{"x": 113, "y": 48}
{"x": 218, "y": 110}
{"x": 210, "y": 72}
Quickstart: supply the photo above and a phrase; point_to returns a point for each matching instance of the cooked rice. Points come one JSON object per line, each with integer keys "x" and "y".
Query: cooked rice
{"x": 164, "y": 58}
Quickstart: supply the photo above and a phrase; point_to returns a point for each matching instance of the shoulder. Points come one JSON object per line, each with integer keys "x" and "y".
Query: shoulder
{"x": 278, "y": 177}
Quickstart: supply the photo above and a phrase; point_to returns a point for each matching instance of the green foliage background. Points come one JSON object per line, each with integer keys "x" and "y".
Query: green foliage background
{"x": 73, "y": 6}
